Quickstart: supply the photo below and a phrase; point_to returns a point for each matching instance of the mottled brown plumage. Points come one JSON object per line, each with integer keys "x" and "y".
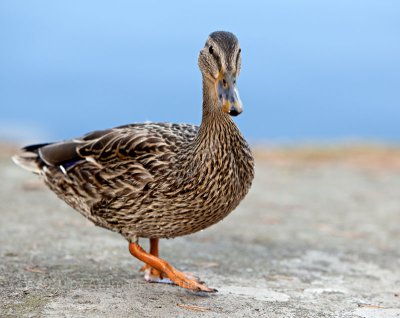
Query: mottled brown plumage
{"x": 158, "y": 180}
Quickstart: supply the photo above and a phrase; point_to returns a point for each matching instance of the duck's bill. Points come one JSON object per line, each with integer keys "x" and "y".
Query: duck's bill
{"x": 229, "y": 95}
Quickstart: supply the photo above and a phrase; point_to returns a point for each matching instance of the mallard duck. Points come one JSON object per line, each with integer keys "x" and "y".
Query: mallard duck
{"x": 158, "y": 180}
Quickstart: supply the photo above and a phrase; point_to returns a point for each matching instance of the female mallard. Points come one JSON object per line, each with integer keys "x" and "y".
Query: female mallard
{"x": 158, "y": 180}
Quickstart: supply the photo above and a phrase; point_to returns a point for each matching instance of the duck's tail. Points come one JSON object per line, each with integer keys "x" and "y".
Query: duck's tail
{"x": 29, "y": 158}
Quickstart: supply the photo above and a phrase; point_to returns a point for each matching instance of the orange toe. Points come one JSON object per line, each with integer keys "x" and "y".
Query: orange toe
{"x": 166, "y": 270}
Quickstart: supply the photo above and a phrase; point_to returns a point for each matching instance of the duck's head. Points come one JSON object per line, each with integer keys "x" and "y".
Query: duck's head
{"x": 219, "y": 62}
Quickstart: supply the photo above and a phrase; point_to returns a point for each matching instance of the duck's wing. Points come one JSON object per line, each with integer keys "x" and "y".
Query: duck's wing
{"x": 131, "y": 154}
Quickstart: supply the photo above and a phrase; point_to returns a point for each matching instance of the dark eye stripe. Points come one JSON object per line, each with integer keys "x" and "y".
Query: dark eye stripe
{"x": 215, "y": 56}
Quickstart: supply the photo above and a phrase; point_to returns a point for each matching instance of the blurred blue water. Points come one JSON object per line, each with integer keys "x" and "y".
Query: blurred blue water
{"x": 312, "y": 70}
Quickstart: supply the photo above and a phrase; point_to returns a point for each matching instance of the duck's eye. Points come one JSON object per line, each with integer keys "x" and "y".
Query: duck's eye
{"x": 211, "y": 50}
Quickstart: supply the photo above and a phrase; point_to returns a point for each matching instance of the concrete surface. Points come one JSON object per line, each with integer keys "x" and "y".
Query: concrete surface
{"x": 318, "y": 236}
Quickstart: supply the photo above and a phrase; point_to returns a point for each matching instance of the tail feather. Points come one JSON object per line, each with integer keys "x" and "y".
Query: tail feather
{"x": 35, "y": 158}
{"x": 29, "y": 158}
{"x": 29, "y": 161}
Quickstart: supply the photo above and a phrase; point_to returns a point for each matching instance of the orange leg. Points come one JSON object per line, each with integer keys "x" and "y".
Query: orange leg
{"x": 151, "y": 274}
{"x": 165, "y": 269}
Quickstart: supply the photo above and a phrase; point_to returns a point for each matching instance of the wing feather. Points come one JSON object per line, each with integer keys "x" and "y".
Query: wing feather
{"x": 124, "y": 157}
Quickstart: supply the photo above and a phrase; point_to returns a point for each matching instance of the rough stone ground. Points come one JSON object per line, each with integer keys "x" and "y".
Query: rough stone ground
{"x": 317, "y": 236}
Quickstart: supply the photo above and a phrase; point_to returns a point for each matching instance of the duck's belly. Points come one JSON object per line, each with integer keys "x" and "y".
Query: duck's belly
{"x": 181, "y": 218}
{"x": 170, "y": 215}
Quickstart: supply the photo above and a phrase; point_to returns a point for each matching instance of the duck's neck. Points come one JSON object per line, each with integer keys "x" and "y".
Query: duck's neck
{"x": 215, "y": 124}
{"x": 218, "y": 145}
